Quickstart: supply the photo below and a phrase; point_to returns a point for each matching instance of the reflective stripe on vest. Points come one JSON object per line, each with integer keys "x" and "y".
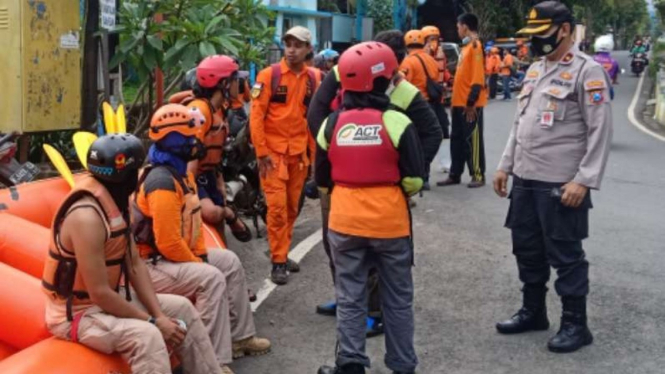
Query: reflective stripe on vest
{"x": 403, "y": 95}
{"x": 361, "y": 150}
{"x": 62, "y": 281}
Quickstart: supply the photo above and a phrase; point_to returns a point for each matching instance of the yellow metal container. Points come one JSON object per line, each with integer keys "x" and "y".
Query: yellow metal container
{"x": 40, "y": 65}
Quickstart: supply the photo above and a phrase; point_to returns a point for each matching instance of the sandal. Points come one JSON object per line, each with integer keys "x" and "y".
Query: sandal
{"x": 244, "y": 235}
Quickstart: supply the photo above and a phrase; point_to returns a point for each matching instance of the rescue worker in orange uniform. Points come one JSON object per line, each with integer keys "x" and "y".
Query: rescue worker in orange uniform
{"x": 84, "y": 268}
{"x": 370, "y": 157}
{"x": 492, "y": 69}
{"x": 507, "y": 66}
{"x": 435, "y": 49}
{"x": 422, "y": 70}
{"x": 469, "y": 99}
{"x": 278, "y": 124}
{"x": 167, "y": 225}
{"x": 522, "y": 51}
{"x": 215, "y": 88}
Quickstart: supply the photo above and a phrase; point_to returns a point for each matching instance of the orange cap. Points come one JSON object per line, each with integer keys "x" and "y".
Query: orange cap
{"x": 430, "y": 31}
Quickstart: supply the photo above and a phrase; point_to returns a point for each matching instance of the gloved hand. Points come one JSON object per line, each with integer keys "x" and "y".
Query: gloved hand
{"x": 311, "y": 190}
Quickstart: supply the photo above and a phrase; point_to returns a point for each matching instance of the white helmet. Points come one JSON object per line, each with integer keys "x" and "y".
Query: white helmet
{"x": 604, "y": 43}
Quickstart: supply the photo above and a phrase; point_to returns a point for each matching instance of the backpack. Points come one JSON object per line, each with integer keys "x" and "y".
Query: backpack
{"x": 434, "y": 89}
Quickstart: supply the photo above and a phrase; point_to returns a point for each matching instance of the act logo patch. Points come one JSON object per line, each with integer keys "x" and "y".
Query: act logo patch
{"x": 353, "y": 135}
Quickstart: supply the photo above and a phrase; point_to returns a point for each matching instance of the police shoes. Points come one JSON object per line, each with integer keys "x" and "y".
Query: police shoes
{"x": 574, "y": 332}
{"x": 524, "y": 320}
{"x": 533, "y": 314}
{"x": 346, "y": 369}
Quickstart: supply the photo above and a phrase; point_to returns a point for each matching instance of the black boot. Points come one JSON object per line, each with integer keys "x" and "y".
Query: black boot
{"x": 574, "y": 332}
{"x": 532, "y": 316}
{"x": 346, "y": 369}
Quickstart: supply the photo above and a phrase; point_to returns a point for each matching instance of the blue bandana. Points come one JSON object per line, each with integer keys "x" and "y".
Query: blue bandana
{"x": 157, "y": 156}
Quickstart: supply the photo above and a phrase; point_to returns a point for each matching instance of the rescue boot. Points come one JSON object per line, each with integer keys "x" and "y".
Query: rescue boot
{"x": 574, "y": 332}
{"x": 279, "y": 274}
{"x": 251, "y": 346}
{"x": 533, "y": 314}
{"x": 292, "y": 266}
{"x": 346, "y": 369}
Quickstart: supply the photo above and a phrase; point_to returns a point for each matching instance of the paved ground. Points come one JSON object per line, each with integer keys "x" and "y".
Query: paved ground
{"x": 466, "y": 278}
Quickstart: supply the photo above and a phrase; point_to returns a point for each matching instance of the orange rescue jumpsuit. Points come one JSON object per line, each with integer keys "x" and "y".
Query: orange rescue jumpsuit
{"x": 279, "y": 129}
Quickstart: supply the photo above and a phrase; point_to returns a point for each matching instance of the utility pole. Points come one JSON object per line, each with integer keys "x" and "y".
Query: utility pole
{"x": 89, "y": 66}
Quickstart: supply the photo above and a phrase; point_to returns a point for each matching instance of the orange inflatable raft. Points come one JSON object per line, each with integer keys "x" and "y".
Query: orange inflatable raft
{"x": 26, "y": 346}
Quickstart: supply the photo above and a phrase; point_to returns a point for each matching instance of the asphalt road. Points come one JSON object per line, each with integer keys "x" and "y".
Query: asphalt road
{"x": 466, "y": 277}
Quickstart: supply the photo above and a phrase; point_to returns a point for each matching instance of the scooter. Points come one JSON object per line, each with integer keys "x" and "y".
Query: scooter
{"x": 11, "y": 171}
{"x": 638, "y": 64}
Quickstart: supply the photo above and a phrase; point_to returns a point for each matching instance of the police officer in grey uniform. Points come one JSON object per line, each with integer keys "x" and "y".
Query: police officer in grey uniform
{"x": 556, "y": 153}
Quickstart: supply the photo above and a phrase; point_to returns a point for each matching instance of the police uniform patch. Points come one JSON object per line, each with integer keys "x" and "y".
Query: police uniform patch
{"x": 596, "y": 97}
{"x": 554, "y": 91}
{"x": 532, "y": 74}
{"x": 568, "y": 59}
{"x": 566, "y": 76}
{"x": 256, "y": 90}
{"x": 594, "y": 85}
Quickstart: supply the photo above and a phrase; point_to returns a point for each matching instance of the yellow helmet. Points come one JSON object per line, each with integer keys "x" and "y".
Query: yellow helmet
{"x": 414, "y": 37}
{"x": 430, "y": 31}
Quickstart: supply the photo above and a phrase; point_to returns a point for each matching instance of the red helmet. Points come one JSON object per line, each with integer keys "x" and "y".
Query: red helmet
{"x": 213, "y": 69}
{"x": 362, "y": 63}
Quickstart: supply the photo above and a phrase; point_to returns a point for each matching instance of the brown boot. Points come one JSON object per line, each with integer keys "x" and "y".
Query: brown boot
{"x": 251, "y": 346}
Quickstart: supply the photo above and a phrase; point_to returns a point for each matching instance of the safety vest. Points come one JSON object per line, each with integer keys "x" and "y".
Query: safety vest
{"x": 213, "y": 139}
{"x": 361, "y": 151}
{"x": 276, "y": 77}
{"x": 62, "y": 282}
{"x": 400, "y": 98}
{"x": 142, "y": 226}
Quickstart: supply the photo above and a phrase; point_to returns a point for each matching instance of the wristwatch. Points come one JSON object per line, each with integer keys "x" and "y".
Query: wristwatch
{"x": 152, "y": 320}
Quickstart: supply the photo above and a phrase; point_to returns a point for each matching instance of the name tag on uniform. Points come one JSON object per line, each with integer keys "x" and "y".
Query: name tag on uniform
{"x": 547, "y": 119}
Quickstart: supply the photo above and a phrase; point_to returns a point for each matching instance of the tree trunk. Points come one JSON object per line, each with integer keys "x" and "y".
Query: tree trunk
{"x": 89, "y": 105}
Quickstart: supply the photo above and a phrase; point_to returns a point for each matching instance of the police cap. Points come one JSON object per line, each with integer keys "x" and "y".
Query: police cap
{"x": 544, "y": 15}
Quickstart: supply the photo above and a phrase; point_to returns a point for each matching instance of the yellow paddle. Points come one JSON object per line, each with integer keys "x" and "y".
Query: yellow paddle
{"x": 109, "y": 118}
{"x": 59, "y": 162}
{"x": 120, "y": 120}
{"x": 82, "y": 142}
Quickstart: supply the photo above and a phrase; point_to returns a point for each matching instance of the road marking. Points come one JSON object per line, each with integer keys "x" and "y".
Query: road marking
{"x": 631, "y": 112}
{"x": 297, "y": 254}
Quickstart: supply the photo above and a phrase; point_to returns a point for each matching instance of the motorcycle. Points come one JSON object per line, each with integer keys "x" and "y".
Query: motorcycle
{"x": 638, "y": 64}
{"x": 240, "y": 170}
{"x": 11, "y": 171}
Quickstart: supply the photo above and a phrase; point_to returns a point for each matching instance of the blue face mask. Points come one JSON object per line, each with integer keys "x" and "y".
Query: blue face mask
{"x": 466, "y": 40}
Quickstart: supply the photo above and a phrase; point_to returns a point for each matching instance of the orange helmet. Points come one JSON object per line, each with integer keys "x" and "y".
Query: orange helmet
{"x": 430, "y": 31}
{"x": 414, "y": 37}
{"x": 172, "y": 118}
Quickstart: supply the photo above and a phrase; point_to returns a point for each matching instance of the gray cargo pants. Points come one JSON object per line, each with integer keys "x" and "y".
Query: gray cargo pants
{"x": 353, "y": 257}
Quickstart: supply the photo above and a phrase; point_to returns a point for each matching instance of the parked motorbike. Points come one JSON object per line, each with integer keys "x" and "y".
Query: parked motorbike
{"x": 11, "y": 171}
{"x": 515, "y": 84}
{"x": 241, "y": 172}
{"x": 638, "y": 64}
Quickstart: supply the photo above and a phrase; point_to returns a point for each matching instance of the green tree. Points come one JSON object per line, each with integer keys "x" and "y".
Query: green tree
{"x": 382, "y": 13}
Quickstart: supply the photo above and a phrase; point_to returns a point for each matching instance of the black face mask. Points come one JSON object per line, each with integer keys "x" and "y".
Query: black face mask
{"x": 545, "y": 46}
{"x": 193, "y": 150}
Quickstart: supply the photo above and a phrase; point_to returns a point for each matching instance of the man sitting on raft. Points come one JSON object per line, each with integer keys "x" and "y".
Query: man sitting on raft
{"x": 91, "y": 250}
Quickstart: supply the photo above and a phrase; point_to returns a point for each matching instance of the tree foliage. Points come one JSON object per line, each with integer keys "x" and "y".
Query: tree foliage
{"x": 381, "y": 12}
{"x": 502, "y": 18}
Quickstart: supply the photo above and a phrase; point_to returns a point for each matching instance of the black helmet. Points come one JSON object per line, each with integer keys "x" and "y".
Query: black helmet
{"x": 189, "y": 81}
{"x": 114, "y": 157}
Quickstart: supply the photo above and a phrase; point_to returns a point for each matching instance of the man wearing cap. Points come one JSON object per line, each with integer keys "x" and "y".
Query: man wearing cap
{"x": 556, "y": 153}
{"x": 280, "y": 135}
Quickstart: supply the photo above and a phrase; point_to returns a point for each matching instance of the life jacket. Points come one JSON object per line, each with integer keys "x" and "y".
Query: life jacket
{"x": 142, "y": 226}
{"x": 401, "y": 96}
{"x": 279, "y": 97}
{"x": 62, "y": 282}
{"x": 361, "y": 152}
{"x": 213, "y": 139}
